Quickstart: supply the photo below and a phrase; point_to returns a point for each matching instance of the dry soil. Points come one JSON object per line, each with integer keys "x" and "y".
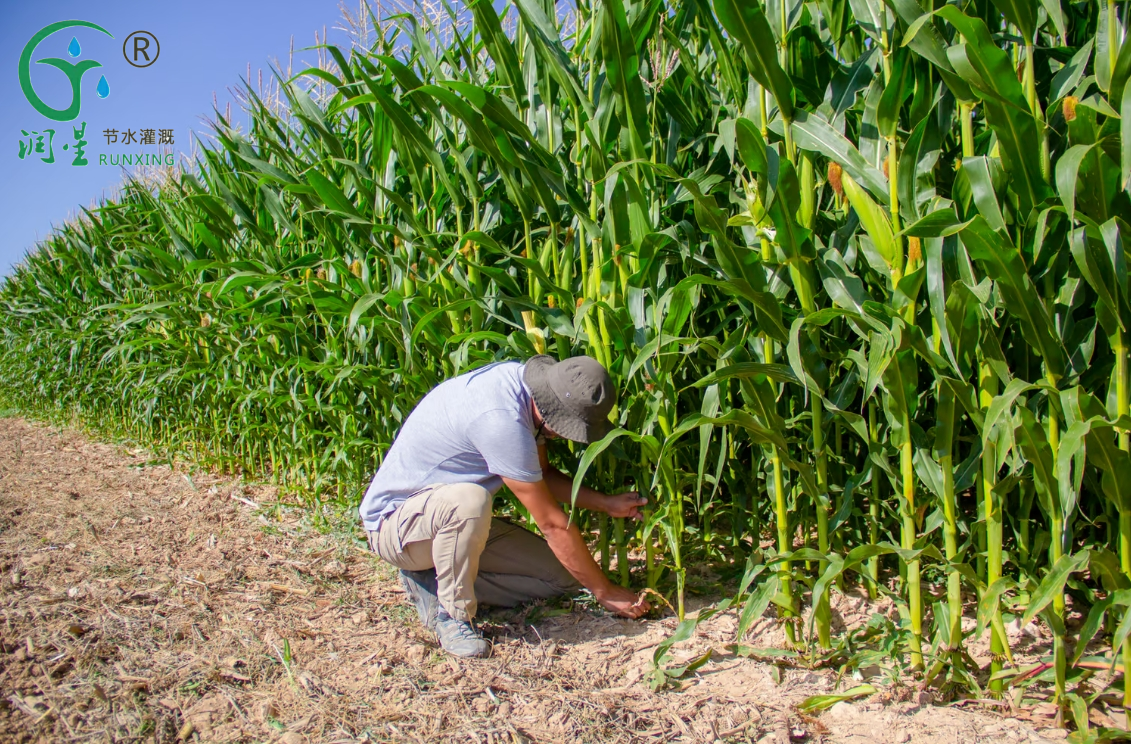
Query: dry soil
{"x": 147, "y": 603}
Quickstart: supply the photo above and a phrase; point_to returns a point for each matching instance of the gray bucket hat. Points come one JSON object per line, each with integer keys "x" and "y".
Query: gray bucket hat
{"x": 574, "y": 396}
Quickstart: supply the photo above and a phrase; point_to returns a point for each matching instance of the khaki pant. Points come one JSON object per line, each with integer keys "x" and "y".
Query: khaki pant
{"x": 477, "y": 558}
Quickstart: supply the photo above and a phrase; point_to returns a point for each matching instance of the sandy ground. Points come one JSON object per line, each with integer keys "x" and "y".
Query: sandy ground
{"x": 143, "y": 603}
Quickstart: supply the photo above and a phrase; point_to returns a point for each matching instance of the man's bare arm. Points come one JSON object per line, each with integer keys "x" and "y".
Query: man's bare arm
{"x": 561, "y": 488}
{"x": 565, "y": 540}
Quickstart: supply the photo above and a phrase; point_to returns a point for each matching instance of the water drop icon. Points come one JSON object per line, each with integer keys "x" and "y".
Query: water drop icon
{"x": 74, "y": 47}
{"x": 103, "y": 88}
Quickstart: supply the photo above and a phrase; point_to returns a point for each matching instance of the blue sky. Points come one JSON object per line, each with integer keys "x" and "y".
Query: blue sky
{"x": 206, "y": 47}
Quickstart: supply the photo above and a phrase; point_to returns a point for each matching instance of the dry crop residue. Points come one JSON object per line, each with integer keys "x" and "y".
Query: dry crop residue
{"x": 142, "y": 603}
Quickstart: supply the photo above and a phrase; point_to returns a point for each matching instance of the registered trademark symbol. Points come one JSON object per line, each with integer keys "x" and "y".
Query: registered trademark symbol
{"x": 141, "y": 49}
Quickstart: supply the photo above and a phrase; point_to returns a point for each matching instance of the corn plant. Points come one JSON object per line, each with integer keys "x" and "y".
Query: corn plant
{"x": 857, "y": 269}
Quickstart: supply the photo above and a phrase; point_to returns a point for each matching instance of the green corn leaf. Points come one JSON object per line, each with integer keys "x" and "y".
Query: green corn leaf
{"x": 755, "y": 431}
{"x": 760, "y": 399}
{"x": 977, "y": 171}
{"x": 594, "y": 449}
{"x": 1079, "y": 708}
{"x": 1053, "y": 583}
{"x": 805, "y": 359}
{"x": 928, "y": 472}
{"x": 485, "y": 140}
{"x": 727, "y": 69}
{"x": 499, "y": 47}
{"x": 1119, "y": 77}
{"x": 989, "y": 603}
{"x": 846, "y": 85}
{"x": 408, "y": 80}
{"x": 1034, "y": 443}
{"x": 1119, "y": 638}
{"x": 1114, "y": 462}
{"x": 734, "y": 417}
{"x": 756, "y": 604}
{"x": 751, "y": 146}
{"x": 746, "y": 22}
{"x": 776, "y": 372}
{"x": 500, "y": 115}
{"x": 898, "y": 88}
{"x": 832, "y": 571}
{"x": 1056, "y": 15}
{"x": 900, "y": 380}
{"x": 691, "y": 666}
{"x": 801, "y": 554}
{"x": 1067, "y": 173}
{"x": 1103, "y": 276}
{"x": 938, "y": 223}
{"x": 332, "y": 196}
{"x": 1070, "y": 459}
{"x": 1069, "y": 76}
{"x": 936, "y": 295}
{"x": 1022, "y": 14}
{"x": 361, "y": 306}
{"x": 1003, "y": 264}
{"x": 1125, "y": 134}
{"x": 313, "y": 118}
{"x": 843, "y": 286}
{"x": 916, "y": 182}
{"x": 1090, "y": 627}
{"x": 1105, "y": 566}
{"x": 710, "y": 407}
{"x": 793, "y": 239}
{"x": 981, "y": 62}
{"x": 411, "y": 132}
{"x": 623, "y": 69}
{"x": 928, "y": 43}
{"x": 813, "y": 132}
{"x": 989, "y": 70}
{"x": 820, "y": 702}
{"x": 869, "y": 14}
{"x": 551, "y": 53}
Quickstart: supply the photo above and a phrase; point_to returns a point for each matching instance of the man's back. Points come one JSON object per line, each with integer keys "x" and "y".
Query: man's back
{"x": 470, "y": 429}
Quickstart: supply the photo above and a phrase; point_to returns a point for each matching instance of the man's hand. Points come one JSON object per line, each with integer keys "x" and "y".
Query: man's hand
{"x": 625, "y": 505}
{"x": 623, "y": 602}
{"x": 565, "y": 540}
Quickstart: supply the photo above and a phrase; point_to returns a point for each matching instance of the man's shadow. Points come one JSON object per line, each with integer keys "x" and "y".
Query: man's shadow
{"x": 564, "y": 620}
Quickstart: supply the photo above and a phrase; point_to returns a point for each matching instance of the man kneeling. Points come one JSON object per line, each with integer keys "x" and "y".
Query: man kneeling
{"x": 428, "y": 509}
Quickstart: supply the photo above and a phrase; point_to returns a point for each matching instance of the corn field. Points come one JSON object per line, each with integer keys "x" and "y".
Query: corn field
{"x": 856, "y": 268}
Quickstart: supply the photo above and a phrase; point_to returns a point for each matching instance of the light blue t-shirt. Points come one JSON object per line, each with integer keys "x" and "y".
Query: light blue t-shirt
{"x": 475, "y": 428}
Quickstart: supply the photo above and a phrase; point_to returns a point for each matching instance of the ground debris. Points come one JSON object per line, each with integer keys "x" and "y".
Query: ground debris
{"x": 141, "y": 603}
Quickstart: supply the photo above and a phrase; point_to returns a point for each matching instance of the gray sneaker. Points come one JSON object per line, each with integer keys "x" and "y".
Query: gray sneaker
{"x": 421, "y": 586}
{"x": 460, "y": 638}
